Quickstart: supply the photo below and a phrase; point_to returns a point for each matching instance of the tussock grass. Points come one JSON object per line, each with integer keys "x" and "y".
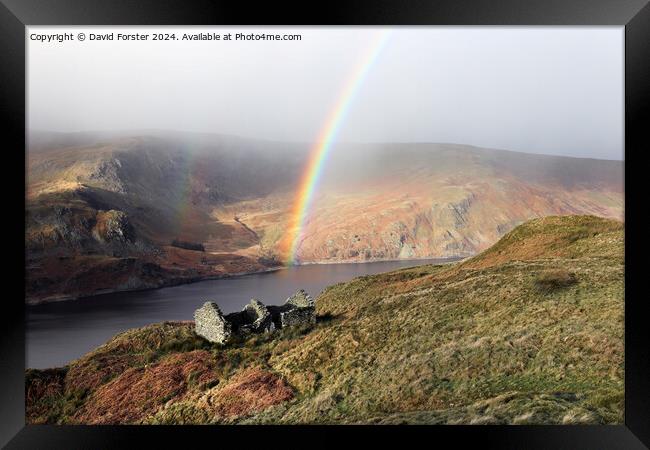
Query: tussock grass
{"x": 530, "y": 331}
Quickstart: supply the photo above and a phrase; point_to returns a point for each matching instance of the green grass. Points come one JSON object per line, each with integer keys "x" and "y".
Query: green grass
{"x": 530, "y": 331}
{"x": 554, "y": 280}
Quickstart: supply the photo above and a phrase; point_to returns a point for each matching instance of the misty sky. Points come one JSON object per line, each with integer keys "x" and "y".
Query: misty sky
{"x": 539, "y": 89}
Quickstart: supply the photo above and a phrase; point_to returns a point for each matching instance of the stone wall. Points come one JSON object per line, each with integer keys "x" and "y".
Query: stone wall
{"x": 297, "y": 316}
{"x": 210, "y": 323}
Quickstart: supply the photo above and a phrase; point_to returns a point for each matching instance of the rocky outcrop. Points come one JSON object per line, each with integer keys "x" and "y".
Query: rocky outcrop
{"x": 460, "y": 210}
{"x": 113, "y": 227}
{"x": 213, "y": 325}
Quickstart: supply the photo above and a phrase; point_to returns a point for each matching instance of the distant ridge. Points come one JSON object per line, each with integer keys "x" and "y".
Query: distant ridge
{"x": 233, "y": 196}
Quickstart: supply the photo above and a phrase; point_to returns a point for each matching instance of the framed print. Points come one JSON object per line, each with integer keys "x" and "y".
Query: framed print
{"x": 368, "y": 217}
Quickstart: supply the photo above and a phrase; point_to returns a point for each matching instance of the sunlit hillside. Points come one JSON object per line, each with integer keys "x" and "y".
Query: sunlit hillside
{"x": 103, "y": 211}
{"x": 528, "y": 332}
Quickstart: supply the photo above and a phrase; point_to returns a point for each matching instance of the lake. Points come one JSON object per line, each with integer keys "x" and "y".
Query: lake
{"x": 57, "y": 333}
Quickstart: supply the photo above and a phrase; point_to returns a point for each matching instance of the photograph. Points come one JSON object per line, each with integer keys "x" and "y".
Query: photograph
{"x": 293, "y": 225}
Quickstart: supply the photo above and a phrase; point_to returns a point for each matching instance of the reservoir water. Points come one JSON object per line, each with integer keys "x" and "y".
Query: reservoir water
{"x": 59, "y": 332}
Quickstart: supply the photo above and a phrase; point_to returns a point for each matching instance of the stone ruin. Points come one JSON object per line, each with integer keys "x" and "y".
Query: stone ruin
{"x": 256, "y": 317}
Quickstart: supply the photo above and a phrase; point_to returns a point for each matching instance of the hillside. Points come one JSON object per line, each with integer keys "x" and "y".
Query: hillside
{"x": 104, "y": 209}
{"x": 433, "y": 200}
{"x": 530, "y": 331}
{"x": 102, "y": 214}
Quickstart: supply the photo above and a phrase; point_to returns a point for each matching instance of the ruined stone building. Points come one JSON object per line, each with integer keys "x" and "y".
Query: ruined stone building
{"x": 256, "y": 317}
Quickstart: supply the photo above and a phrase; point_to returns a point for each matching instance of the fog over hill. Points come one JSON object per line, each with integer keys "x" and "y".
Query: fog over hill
{"x": 550, "y": 90}
{"x": 104, "y": 208}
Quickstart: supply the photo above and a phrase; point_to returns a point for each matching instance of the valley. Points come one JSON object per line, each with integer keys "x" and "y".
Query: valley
{"x": 104, "y": 209}
{"x": 530, "y": 331}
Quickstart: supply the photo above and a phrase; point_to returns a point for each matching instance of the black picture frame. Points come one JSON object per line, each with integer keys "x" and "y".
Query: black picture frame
{"x": 634, "y": 15}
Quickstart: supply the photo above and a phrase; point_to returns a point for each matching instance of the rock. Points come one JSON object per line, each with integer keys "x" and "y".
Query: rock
{"x": 256, "y": 317}
{"x": 113, "y": 226}
{"x": 210, "y": 323}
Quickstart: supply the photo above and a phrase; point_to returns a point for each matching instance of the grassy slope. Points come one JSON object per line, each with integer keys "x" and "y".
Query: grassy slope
{"x": 530, "y": 331}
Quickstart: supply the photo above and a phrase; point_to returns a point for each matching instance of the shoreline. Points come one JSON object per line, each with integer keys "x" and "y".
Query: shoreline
{"x": 178, "y": 282}
{"x": 447, "y": 259}
{"x": 164, "y": 284}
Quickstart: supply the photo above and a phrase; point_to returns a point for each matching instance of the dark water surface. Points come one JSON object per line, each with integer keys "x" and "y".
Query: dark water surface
{"x": 57, "y": 333}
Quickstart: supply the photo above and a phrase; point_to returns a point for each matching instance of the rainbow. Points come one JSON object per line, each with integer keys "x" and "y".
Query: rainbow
{"x": 318, "y": 154}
